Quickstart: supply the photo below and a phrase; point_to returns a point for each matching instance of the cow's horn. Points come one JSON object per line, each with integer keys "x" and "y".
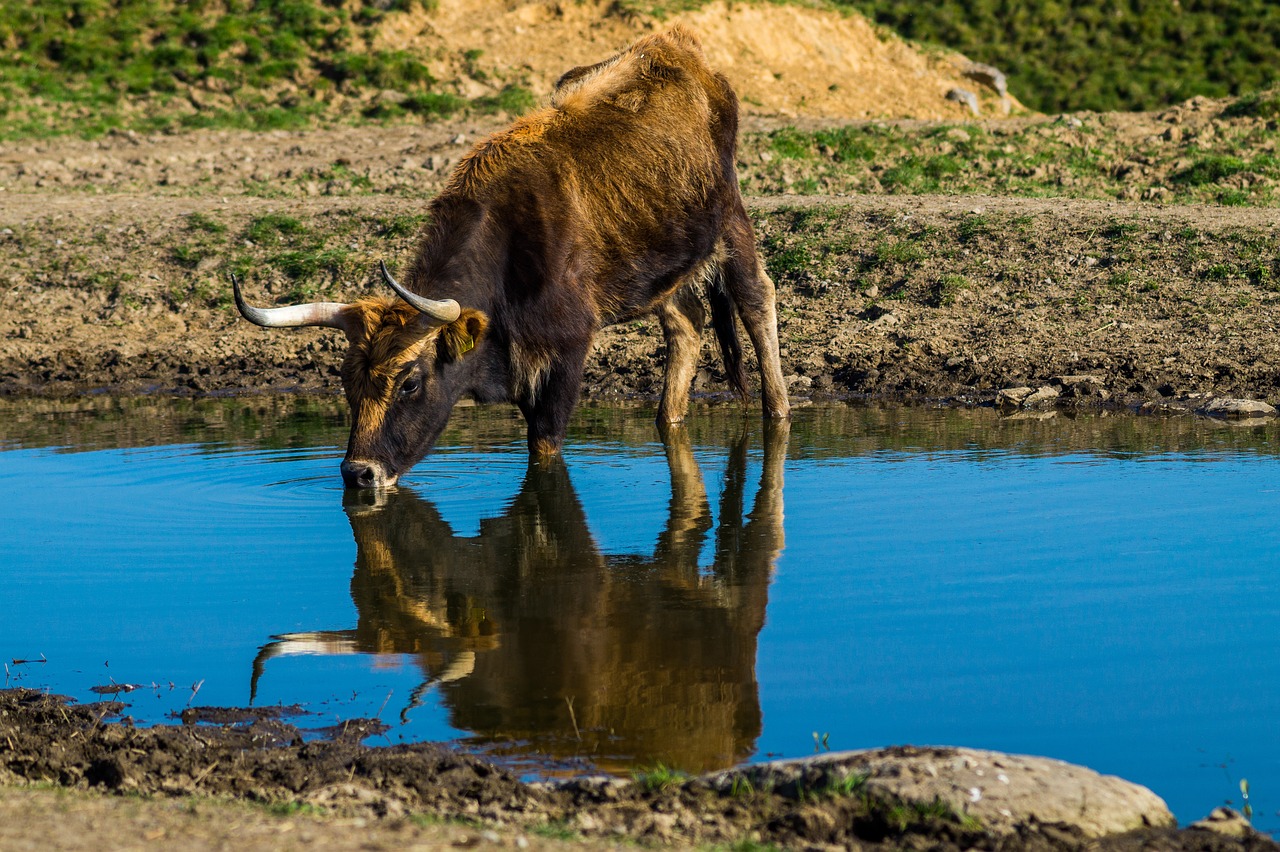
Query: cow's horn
{"x": 327, "y": 314}
{"x": 443, "y": 311}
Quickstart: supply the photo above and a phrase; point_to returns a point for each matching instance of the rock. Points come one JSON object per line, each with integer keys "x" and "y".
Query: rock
{"x": 1012, "y": 397}
{"x": 1226, "y": 822}
{"x": 989, "y": 76}
{"x": 1048, "y": 393}
{"x": 1004, "y": 792}
{"x": 966, "y": 97}
{"x": 993, "y": 78}
{"x": 1079, "y": 386}
{"x": 1237, "y": 408}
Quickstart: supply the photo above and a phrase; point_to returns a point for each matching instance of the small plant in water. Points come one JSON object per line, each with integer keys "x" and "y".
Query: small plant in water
{"x": 660, "y": 777}
{"x": 1246, "y": 808}
{"x": 821, "y": 743}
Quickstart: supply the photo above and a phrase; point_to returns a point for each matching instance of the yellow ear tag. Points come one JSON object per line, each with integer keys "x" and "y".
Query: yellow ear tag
{"x": 466, "y": 344}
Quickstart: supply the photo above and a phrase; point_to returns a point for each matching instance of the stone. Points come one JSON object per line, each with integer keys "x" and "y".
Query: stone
{"x": 993, "y": 78}
{"x": 1079, "y": 386}
{"x": 1005, "y": 792}
{"x": 1226, "y": 822}
{"x": 989, "y": 76}
{"x": 1238, "y": 408}
{"x": 1012, "y": 397}
{"x": 966, "y": 97}
{"x": 1048, "y": 393}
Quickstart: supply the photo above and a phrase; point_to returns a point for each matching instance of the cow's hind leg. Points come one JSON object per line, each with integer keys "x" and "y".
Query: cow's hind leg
{"x": 753, "y": 293}
{"x": 682, "y": 317}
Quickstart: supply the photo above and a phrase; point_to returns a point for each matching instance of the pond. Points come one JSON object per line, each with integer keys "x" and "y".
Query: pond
{"x": 1098, "y": 589}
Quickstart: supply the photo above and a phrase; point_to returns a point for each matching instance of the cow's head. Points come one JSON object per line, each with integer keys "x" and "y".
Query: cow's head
{"x": 402, "y": 373}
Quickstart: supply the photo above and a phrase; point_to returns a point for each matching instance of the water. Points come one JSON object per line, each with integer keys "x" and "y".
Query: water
{"x": 1099, "y": 590}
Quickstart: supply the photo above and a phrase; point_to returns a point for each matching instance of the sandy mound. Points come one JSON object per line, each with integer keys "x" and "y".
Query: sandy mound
{"x": 784, "y": 60}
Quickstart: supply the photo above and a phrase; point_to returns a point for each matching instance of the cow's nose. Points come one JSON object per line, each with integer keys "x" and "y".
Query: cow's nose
{"x": 363, "y": 473}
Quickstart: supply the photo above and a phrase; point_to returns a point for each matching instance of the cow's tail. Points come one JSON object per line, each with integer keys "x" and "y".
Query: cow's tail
{"x": 724, "y": 319}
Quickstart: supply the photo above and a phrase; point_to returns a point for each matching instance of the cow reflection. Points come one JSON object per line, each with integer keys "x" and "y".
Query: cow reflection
{"x": 533, "y": 636}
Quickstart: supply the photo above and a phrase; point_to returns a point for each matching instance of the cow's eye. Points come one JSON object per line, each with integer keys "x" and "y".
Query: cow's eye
{"x": 410, "y": 387}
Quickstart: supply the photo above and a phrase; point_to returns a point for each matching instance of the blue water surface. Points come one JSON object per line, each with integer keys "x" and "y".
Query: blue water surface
{"x": 922, "y": 578}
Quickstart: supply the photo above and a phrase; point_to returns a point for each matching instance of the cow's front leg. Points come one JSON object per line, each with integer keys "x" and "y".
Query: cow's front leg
{"x": 550, "y": 404}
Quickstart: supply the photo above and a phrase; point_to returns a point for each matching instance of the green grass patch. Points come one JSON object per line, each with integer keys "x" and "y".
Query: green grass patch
{"x": 943, "y": 293}
{"x": 1219, "y": 272}
{"x": 1210, "y": 169}
{"x": 1255, "y": 105}
{"x": 89, "y": 66}
{"x": 270, "y": 228}
{"x": 206, "y": 224}
{"x": 512, "y": 99}
{"x": 787, "y": 263}
{"x": 902, "y": 251}
{"x": 1099, "y": 55}
{"x": 659, "y": 777}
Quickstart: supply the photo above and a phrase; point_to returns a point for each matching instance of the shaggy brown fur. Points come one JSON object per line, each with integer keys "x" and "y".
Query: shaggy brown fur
{"x": 619, "y": 200}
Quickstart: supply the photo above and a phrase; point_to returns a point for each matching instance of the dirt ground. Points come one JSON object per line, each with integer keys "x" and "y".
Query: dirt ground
{"x": 249, "y": 779}
{"x": 917, "y": 297}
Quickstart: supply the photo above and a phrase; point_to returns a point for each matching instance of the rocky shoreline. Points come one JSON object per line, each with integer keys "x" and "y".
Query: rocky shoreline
{"x": 893, "y": 798}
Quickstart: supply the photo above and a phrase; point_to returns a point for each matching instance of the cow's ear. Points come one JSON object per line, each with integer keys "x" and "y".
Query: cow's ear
{"x": 461, "y": 336}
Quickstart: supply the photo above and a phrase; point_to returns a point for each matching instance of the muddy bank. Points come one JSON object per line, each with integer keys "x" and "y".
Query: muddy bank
{"x": 912, "y": 297}
{"x": 259, "y": 758}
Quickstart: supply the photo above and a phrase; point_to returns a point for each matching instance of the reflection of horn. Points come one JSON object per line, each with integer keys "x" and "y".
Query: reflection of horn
{"x": 442, "y": 311}
{"x": 292, "y": 644}
{"x": 326, "y": 314}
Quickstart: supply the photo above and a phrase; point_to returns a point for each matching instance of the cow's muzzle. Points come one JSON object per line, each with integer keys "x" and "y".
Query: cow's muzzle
{"x": 366, "y": 473}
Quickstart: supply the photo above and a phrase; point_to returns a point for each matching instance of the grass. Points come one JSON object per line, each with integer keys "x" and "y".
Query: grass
{"x": 944, "y": 292}
{"x": 1102, "y": 56}
{"x": 87, "y": 67}
{"x": 659, "y": 777}
{"x": 556, "y": 831}
{"x": 903, "y": 815}
{"x": 1043, "y": 158}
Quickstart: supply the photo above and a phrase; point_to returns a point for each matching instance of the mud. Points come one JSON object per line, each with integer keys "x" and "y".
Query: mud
{"x": 906, "y": 297}
{"x": 45, "y": 739}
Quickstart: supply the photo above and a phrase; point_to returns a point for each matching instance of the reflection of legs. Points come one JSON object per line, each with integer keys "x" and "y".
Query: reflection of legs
{"x": 682, "y": 317}
{"x": 749, "y": 549}
{"x": 764, "y": 529}
{"x": 753, "y": 292}
{"x": 689, "y": 516}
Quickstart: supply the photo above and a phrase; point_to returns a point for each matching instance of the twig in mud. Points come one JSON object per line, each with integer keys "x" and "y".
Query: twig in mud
{"x": 378, "y": 715}
{"x": 1102, "y": 328}
{"x": 573, "y": 718}
{"x": 204, "y": 773}
{"x": 194, "y": 689}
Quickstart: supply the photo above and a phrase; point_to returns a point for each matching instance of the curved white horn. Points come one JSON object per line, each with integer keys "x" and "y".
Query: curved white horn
{"x": 443, "y": 311}
{"x": 327, "y": 314}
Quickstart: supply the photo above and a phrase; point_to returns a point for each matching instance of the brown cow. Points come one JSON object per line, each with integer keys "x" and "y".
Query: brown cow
{"x": 619, "y": 200}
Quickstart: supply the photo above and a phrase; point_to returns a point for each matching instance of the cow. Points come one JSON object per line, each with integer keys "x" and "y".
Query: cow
{"x": 618, "y": 200}
{"x": 528, "y": 632}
